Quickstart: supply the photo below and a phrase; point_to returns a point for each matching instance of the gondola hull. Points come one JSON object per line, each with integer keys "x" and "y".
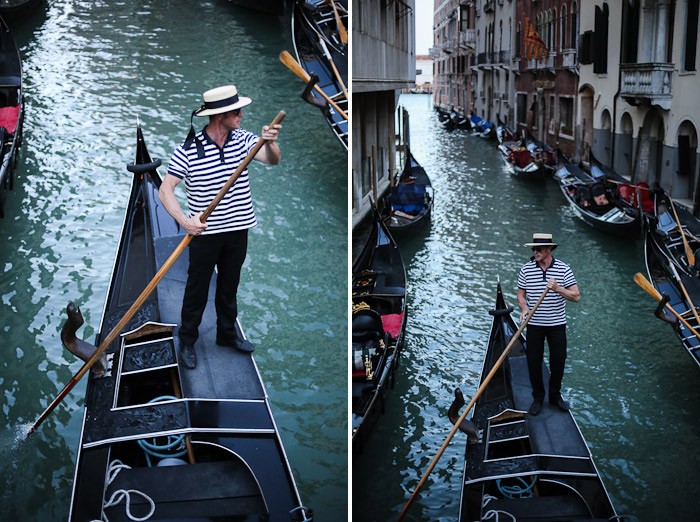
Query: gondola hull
{"x": 11, "y": 111}
{"x": 315, "y": 31}
{"x": 410, "y": 201}
{"x": 668, "y": 267}
{"x": 378, "y": 328}
{"x": 532, "y": 468}
{"x": 185, "y": 443}
{"x": 620, "y": 219}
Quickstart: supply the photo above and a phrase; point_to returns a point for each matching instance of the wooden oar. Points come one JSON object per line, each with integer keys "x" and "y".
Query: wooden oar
{"x": 342, "y": 32}
{"x": 288, "y": 60}
{"x": 335, "y": 69}
{"x": 685, "y": 292}
{"x": 478, "y": 393}
{"x": 156, "y": 279}
{"x": 645, "y": 285}
{"x": 690, "y": 256}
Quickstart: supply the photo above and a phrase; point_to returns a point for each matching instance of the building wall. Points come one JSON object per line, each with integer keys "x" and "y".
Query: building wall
{"x": 383, "y": 63}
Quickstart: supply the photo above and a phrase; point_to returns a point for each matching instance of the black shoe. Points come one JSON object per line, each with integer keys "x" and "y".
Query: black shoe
{"x": 187, "y": 356}
{"x": 561, "y": 404}
{"x": 535, "y": 407}
{"x": 241, "y": 345}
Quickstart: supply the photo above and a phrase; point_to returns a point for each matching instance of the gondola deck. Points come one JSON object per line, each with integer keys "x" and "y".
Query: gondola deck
{"x": 188, "y": 444}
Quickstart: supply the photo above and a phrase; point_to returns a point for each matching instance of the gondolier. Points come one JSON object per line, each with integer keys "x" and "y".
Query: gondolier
{"x": 549, "y": 320}
{"x": 205, "y": 161}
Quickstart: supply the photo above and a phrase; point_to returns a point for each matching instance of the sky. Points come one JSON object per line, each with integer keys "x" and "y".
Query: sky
{"x": 424, "y": 26}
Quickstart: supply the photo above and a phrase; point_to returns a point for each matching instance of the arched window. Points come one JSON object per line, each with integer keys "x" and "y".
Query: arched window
{"x": 574, "y": 25}
{"x": 562, "y": 37}
{"x": 553, "y": 30}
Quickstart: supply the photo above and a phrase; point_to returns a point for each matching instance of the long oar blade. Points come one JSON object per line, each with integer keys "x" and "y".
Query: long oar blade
{"x": 478, "y": 393}
{"x": 689, "y": 254}
{"x": 645, "y": 285}
{"x": 152, "y": 284}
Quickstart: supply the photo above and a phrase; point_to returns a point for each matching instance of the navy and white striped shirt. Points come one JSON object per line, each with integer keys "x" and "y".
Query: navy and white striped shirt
{"x": 204, "y": 178}
{"x": 532, "y": 279}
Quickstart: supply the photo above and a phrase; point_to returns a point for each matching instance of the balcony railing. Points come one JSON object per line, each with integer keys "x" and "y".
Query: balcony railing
{"x": 467, "y": 39}
{"x": 650, "y": 82}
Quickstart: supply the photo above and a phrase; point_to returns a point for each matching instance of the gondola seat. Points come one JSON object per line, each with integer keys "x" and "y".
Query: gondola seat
{"x": 9, "y": 117}
{"x": 366, "y": 325}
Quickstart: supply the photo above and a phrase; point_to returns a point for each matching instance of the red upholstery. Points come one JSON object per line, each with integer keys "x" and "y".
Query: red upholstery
{"x": 392, "y": 324}
{"x": 9, "y": 117}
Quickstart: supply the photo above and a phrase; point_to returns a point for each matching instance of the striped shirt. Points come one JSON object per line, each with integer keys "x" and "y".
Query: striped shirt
{"x": 533, "y": 280}
{"x": 205, "y": 176}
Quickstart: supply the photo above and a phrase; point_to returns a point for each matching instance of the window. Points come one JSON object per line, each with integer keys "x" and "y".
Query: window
{"x": 522, "y": 108}
{"x": 564, "y": 43}
{"x": 574, "y": 25}
{"x": 566, "y": 116}
{"x": 600, "y": 42}
{"x": 691, "y": 35}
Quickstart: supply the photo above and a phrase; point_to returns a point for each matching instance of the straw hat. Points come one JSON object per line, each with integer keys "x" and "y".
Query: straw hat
{"x": 222, "y": 99}
{"x": 539, "y": 239}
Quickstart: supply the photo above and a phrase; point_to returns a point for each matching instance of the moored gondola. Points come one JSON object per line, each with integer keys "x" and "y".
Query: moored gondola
{"x": 674, "y": 268}
{"x": 518, "y": 466}
{"x": 379, "y": 317}
{"x": 410, "y": 201}
{"x": 11, "y": 111}
{"x": 159, "y": 440}
{"x": 321, "y": 50}
{"x": 597, "y": 201}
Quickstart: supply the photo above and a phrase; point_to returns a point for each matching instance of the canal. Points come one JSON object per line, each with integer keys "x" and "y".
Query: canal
{"x": 631, "y": 386}
{"x": 91, "y": 68}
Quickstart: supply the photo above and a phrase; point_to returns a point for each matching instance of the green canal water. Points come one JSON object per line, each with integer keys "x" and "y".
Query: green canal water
{"x": 91, "y": 68}
{"x": 632, "y": 387}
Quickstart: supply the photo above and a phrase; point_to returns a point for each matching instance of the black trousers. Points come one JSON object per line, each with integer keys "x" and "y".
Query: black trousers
{"x": 556, "y": 341}
{"x": 226, "y": 252}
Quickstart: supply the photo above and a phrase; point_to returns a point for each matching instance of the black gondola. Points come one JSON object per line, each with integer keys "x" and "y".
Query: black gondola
{"x": 670, "y": 270}
{"x": 11, "y": 111}
{"x": 596, "y": 199}
{"x": 323, "y": 55}
{"x": 197, "y": 444}
{"x": 410, "y": 201}
{"x": 519, "y": 466}
{"x": 378, "y": 327}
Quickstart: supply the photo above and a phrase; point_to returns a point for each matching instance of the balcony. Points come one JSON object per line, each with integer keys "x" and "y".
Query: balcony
{"x": 647, "y": 83}
{"x": 467, "y": 39}
{"x": 569, "y": 58}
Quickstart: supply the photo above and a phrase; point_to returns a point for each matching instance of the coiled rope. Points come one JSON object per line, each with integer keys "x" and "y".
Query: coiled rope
{"x": 516, "y": 491}
{"x": 123, "y": 494}
{"x": 494, "y": 513}
{"x": 162, "y": 451}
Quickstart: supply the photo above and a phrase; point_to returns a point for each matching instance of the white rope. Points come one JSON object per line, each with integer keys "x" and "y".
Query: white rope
{"x": 491, "y": 513}
{"x": 123, "y": 494}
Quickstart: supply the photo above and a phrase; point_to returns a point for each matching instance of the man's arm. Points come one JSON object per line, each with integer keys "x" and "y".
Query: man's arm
{"x": 166, "y": 193}
{"x": 522, "y": 303}
{"x": 571, "y": 293}
{"x": 270, "y": 152}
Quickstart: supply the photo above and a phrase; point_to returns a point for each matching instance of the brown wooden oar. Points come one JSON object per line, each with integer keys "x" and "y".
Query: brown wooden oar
{"x": 156, "y": 279}
{"x": 685, "y": 292}
{"x": 478, "y": 393}
{"x": 335, "y": 69}
{"x": 288, "y": 60}
{"x": 342, "y": 32}
{"x": 645, "y": 285}
{"x": 690, "y": 256}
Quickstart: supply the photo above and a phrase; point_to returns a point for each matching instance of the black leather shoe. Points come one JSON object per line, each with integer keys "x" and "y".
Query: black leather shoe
{"x": 561, "y": 404}
{"x": 241, "y": 345}
{"x": 535, "y": 407}
{"x": 188, "y": 356}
